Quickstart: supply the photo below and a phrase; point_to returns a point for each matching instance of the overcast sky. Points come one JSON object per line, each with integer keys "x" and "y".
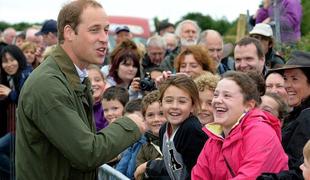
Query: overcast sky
{"x": 14, "y": 11}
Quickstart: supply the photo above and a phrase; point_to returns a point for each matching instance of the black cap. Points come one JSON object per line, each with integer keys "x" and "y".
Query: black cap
{"x": 48, "y": 26}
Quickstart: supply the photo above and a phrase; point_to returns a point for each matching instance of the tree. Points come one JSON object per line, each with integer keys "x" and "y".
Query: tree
{"x": 207, "y": 22}
{"x": 19, "y": 26}
{"x": 305, "y": 26}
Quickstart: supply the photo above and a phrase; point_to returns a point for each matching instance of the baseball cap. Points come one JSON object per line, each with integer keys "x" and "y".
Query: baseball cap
{"x": 262, "y": 29}
{"x": 121, "y": 28}
{"x": 48, "y": 26}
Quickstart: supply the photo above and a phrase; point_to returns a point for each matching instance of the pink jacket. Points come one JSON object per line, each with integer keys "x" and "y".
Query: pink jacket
{"x": 252, "y": 147}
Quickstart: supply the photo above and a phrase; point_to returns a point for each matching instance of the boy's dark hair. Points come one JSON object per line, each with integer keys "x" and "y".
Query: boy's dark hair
{"x": 116, "y": 93}
{"x": 133, "y": 105}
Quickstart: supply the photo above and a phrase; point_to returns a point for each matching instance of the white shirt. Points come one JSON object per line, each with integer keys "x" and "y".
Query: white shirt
{"x": 82, "y": 73}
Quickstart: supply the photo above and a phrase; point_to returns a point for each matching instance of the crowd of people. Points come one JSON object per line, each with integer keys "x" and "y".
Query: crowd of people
{"x": 181, "y": 106}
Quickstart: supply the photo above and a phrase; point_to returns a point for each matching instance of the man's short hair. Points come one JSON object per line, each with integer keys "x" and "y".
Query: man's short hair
{"x": 249, "y": 40}
{"x": 70, "y": 14}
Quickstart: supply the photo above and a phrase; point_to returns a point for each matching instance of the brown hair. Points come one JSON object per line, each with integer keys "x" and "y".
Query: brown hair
{"x": 148, "y": 99}
{"x": 70, "y": 15}
{"x": 116, "y": 93}
{"x": 247, "y": 85}
{"x": 249, "y": 40}
{"x": 186, "y": 84}
{"x": 133, "y": 106}
{"x": 201, "y": 56}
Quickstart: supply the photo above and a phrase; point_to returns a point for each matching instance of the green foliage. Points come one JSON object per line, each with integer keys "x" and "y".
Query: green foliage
{"x": 3, "y": 25}
{"x": 304, "y": 43}
{"x": 19, "y": 26}
{"x": 207, "y": 22}
{"x": 305, "y": 25}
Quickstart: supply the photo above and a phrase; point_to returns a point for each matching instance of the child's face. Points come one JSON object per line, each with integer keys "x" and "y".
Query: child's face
{"x": 177, "y": 105}
{"x": 97, "y": 83}
{"x": 206, "y": 114}
{"x": 154, "y": 117}
{"x": 19, "y": 42}
{"x": 30, "y": 55}
{"x": 305, "y": 167}
{"x": 112, "y": 109}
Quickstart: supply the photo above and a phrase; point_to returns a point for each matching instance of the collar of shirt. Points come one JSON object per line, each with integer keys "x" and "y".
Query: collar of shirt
{"x": 82, "y": 73}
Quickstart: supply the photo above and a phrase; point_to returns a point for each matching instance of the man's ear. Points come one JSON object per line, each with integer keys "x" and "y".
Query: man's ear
{"x": 69, "y": 33}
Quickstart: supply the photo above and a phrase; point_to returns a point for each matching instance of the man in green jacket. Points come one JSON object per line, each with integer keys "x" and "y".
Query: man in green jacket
{"x": 56, "y": 138}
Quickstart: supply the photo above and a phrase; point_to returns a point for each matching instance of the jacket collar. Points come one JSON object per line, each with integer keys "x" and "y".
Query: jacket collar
{"x": 217, "y": 129}
{"x": 68, "y": 69}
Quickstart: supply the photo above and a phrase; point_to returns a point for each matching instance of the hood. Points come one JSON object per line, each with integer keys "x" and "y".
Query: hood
{"x": 266, "y": 117}
{"x": 215, "y": 130}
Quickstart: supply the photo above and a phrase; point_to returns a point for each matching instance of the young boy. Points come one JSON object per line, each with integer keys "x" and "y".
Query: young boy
{"x": 113, "y": 102}
{"x": 305, "y": 167}
{"x": 154, "y": 118}
{"x": 127, "y": 163}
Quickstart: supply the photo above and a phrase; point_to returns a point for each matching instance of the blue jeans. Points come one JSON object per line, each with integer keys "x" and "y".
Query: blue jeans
{"x": 6, "y": 153}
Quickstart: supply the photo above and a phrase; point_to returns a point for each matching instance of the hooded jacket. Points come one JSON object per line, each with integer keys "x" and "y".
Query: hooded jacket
{"x": 253, "y": 146}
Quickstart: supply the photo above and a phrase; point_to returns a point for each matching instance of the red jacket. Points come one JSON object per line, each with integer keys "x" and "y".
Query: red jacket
{"x": 252, "y": 147}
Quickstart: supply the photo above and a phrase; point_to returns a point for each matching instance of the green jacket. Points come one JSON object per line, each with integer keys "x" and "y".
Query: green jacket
{"x": 55, "y": 136}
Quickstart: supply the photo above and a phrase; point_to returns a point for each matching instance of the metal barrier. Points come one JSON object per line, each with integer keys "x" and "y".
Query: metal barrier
{"x": 106, "y": 172}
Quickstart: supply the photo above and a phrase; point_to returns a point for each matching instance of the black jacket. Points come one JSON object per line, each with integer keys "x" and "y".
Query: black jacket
{"x": 188, "y": 140}
{"x": 272, "y": 60}
{"x": 295, "y": 134}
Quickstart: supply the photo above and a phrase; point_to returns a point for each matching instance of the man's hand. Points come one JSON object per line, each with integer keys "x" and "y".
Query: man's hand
{"x": 138, "y": 119}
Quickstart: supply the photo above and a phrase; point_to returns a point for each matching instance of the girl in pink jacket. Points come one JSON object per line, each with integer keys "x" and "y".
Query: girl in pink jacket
{"x": 243, "y": 140}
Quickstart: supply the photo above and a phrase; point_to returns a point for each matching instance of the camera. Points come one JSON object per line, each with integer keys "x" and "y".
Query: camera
{"x": 147, "y": 83}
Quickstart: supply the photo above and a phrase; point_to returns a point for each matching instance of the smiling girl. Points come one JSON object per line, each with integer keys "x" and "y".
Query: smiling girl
{"x": 98, "y": 85}
{"x": 243, "y": 140}
{"x": 182, "y": 136}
